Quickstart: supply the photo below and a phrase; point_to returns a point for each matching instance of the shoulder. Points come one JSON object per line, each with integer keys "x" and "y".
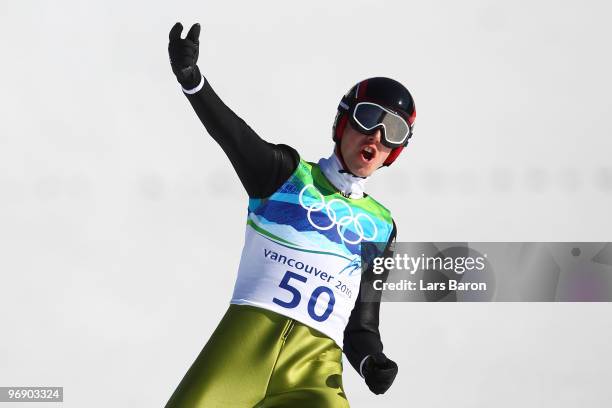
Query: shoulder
{"x": 286, "y": 160}
{"x": 289, "y": 152}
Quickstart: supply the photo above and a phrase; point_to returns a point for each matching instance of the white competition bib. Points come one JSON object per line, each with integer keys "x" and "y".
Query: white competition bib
{"x": 315, "y": 289}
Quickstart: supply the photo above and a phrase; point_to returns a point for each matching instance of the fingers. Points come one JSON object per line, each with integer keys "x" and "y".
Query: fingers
{"x": 380, "y": 373}
{"x": 175, "y": 32}
{"x": 385, "y": 370}
{"x": 194, "y": 33}
{"x": 388, "y": 365}
{"x": 381, "y": 381}
{"x": 378, "y": 358}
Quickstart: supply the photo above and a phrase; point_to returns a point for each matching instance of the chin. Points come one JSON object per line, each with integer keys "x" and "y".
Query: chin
{"x": 367, "y": 173}
{"x": 361, "y": 169}
{"x": 363, "y": 172}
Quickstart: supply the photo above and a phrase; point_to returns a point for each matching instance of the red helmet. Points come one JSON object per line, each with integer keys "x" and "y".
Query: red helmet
{"x": 385, "y": 92}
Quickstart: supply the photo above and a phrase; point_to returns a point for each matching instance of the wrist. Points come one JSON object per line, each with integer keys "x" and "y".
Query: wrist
{"x": 361, "y": 366}
{"x": 189, "y": 77}
{"x": 194, "y": 87}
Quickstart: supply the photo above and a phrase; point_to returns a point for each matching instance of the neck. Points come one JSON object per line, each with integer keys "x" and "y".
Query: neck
{"x": 349, "y": 185}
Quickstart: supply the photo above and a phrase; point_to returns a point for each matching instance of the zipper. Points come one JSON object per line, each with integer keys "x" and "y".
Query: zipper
{"x": 288, "y": 329}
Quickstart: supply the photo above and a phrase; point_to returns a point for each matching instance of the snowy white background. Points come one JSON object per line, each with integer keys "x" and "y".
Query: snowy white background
{"x": 121, "y": 221}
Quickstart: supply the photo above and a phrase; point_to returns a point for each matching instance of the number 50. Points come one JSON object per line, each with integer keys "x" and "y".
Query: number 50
{"x": 297, "y": 296}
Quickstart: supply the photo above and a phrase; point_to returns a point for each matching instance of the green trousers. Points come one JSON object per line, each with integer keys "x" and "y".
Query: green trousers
{"x": 258, "y": 358}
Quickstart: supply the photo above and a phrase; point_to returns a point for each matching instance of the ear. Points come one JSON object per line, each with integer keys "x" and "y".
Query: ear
{"x": 340, "y": 126}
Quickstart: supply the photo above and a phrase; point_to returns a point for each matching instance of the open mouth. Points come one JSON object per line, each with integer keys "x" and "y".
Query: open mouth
{"x": 368, "y": 153}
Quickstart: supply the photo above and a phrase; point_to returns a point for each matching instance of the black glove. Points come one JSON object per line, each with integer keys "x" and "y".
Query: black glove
{"x": 379, "y": 373}
{"x": 184, "y": 55}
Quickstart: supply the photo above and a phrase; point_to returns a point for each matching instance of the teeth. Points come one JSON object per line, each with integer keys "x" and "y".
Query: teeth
{"x": 369, "y": 149}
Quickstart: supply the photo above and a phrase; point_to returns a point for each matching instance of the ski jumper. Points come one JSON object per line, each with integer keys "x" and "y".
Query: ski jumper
{"x": 296, "y": 302}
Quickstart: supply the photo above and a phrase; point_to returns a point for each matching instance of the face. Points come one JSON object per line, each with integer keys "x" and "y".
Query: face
{"x": 362, "y": 154}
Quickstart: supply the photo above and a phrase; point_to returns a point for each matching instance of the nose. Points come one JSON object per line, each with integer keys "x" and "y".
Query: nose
{"x": 375, "y": 137}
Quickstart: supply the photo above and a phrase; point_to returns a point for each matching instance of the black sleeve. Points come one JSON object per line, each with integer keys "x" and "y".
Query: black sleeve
{"x": 262, "y": 167}
{"x": 361, "y": 335}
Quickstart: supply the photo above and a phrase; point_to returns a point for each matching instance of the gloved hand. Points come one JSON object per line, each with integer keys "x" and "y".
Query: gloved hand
{"x": 184, "y": 55}
{"x": 379, "y": 372}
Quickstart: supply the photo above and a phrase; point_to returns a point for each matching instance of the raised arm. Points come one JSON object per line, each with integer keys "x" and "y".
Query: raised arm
{"x": 261, "y": 166}
{"x": 362, "y": 344}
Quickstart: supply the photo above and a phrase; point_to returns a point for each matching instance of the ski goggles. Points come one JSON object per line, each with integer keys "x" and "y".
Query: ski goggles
{"x": 368, "y": 117}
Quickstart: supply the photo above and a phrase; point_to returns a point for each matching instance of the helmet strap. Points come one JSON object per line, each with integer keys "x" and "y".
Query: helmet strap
{"x": 338, "y": 153}
{"x": 393, "y": 155}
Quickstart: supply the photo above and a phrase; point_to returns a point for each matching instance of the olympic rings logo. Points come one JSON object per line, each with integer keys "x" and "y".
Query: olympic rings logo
{"x": 343, "y": 222}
